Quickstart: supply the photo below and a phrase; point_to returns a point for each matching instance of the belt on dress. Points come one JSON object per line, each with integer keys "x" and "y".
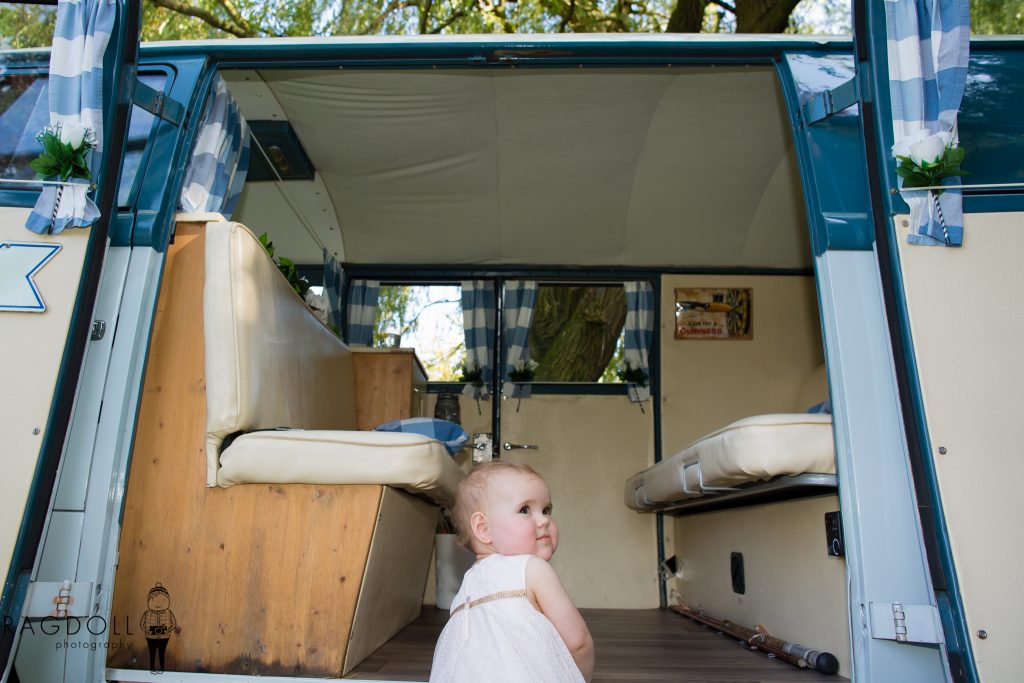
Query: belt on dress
{"x": 500, "y": 595}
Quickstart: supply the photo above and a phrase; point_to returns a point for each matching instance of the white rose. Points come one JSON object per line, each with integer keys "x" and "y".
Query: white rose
{"x": 930, "y": 149}
{"x": 72, "y": 134}
{"x": 902, "y": 146}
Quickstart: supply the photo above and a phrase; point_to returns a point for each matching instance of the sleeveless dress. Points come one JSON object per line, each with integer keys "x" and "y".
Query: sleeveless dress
{"x": 495, "y": 635}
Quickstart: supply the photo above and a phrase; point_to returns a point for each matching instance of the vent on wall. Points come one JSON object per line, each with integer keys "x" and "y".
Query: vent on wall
{"x": 276, "y": 153}
{"x": 739, "y": 582}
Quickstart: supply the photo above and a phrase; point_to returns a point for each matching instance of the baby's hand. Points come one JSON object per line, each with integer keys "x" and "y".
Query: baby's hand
{"x": 547, "y": 593}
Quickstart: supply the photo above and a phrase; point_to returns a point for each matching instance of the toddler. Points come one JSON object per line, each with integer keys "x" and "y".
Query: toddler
{"x": 512, "y": 621}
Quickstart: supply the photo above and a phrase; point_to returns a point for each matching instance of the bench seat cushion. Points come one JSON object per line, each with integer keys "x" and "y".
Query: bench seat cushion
{"x": 749, "y": 450}
{"x": 413, "y": 462}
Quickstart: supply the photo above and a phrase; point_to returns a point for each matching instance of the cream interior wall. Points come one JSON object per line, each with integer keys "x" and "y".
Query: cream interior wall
{"x": 32, "y": 346}
{"x": 589, "y": 446}
{"x": 967, "y": 324}
{"x": 793, "y": 587}
{"x": 706, "y": 384}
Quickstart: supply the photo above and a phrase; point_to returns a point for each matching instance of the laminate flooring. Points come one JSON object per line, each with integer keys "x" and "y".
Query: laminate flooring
{"x": 632, "y": 645}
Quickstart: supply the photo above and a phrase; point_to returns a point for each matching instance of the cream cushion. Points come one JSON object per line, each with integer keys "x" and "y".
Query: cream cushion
{"x": 416, "y": 463}
{"x": 752, "y": 449}
{"x": 269, "y": 361}
{"x": 269, "y": 364}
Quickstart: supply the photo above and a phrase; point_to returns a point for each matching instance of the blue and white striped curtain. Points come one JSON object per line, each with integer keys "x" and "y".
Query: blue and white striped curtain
{"x": 76, "y": 97}
{"x": 362, "y": 311}
{"x": 639, "y": 331}
{"x": 520, "y": 297}
{"x": 478, "y": 310}
{"x": 220, "y": 159}
{"x": 928, "y": 46}
{"x": 334, "y": 284}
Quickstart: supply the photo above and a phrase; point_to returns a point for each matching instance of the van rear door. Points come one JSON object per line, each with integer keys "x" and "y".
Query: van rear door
{"x": 44, "y": 345}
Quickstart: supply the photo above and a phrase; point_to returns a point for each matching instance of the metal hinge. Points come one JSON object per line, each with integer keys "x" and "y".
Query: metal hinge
{"x": 99, "y": 328}
{"x": 158, "y": 104}
{"x": 828, "y": 102}
{"x": 58, "y": 599}
{"x": 905, "y": 623}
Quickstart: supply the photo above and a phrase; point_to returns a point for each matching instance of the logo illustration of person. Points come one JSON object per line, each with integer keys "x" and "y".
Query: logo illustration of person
{"x": 157, "y": 623}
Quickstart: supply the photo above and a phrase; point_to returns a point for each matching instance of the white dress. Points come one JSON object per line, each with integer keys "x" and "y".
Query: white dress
{"x": 503, "y": 638}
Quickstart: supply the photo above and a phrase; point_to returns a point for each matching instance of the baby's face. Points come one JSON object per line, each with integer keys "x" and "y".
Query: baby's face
{"x": 519, "y": 516}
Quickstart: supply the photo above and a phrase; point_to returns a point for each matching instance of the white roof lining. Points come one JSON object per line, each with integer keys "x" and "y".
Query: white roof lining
{"x": 429, "y": 189}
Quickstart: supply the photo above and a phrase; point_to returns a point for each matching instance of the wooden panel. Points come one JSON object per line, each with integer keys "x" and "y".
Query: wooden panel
{"x": 384, "y": 385}
{"x": 396, "y": 572}
{"x": 263, "y": 579}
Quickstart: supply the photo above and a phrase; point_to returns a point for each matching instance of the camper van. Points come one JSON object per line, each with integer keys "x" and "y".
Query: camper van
{"x": 193, "y": 485}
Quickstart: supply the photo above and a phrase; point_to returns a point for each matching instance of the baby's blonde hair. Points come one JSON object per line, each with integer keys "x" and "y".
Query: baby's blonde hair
{"x": 474, "y": 489}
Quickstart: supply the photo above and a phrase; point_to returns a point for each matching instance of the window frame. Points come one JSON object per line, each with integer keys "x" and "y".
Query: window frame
{"x": 397, "y": 275}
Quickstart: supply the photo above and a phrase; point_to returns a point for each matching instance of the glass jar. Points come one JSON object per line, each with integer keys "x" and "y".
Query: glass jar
{"x": 447, "y": 408}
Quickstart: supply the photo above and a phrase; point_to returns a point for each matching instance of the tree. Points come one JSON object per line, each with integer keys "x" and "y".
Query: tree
{"x": 575, "y": 331}
{"x": 997, "y": 16}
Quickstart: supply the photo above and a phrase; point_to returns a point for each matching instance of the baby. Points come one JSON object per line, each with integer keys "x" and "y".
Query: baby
{"x": 512, "y": 621}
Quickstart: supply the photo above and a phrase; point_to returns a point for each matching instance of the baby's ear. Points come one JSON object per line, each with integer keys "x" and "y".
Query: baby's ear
{"x": 479, "y": 528}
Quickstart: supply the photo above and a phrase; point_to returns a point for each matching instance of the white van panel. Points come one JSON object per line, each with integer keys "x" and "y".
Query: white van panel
{"x": 967, "y": 322}
{"x": 32, "y": 346}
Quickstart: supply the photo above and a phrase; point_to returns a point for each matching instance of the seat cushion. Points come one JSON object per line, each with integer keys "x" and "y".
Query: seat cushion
{"x": 749, "y": 450}
{"x": 413, "y": 462}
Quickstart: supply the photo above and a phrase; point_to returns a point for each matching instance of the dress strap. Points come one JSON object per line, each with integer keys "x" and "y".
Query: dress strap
{"x": 500, "y": 595}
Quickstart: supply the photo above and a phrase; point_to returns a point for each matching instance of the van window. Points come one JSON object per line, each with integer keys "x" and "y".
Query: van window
{"x": 26, "y": 25}
{"x": 576, "y": 334}
{"x": 427, "y": 318}
{"x": 24, "y": 111}
{"x": 139, "y": 127}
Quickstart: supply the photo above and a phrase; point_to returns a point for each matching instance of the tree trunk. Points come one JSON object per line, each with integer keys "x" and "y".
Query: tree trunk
{"x": 763, "y": 16}
{"x": 687, "y": 16}
{"x": 574, "y": 331}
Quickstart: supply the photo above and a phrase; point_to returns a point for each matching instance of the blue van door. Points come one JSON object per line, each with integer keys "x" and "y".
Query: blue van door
{"x": 44, "y": 340}
{"x": 906, "y": 616}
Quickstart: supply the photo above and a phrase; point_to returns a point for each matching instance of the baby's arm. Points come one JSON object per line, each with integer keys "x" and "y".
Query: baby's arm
{"x": 546, "y": 591}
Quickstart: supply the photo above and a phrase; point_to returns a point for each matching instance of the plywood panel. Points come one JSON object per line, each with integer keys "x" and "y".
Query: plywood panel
{"x": 384, "y": 385}
{"x": 395, "y": 572}
{"x": 263, "y": 579}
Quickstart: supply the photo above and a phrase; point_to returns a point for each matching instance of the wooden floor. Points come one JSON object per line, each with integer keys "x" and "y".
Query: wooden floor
{"x": 632, "y": 645}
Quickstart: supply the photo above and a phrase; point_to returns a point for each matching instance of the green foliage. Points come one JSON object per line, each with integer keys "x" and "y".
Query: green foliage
{"x": 394, "y": 312}
{"x": 471, "y": 374}
{"x": 287, "y": 268}
{"x": 60, "y": 159}
{"x": 928, "y": 175}
{"x": 26, "y": 25}
{"x": 627, "y": 373}
{"x": 1003, "y": 17}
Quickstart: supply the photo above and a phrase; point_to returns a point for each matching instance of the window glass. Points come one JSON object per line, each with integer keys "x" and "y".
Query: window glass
{"x": 576, "y": 334}
{"x": 139, "y": 127}
{"x": 427, "y": 318}
{"x": 24, "y": 111}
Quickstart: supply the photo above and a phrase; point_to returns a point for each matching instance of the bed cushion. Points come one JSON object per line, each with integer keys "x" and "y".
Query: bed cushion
{"x": 413, "y": 462}
{"x": 752, "y": 449}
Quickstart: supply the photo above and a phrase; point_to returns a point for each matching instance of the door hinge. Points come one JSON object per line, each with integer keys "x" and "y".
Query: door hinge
{"x": 905, "y": 623}
{"x": 58, "y": 599}
{"x": 158, "y": 104}
{"x": 828, "y": 102}
{"x": 99, "y": 328}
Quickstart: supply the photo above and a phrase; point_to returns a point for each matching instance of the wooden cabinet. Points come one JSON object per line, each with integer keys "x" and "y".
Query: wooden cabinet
{"x": 390, "y": 384}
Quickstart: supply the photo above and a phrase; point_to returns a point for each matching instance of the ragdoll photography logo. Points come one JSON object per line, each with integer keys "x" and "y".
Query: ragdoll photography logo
{"x": 157, "y": 624}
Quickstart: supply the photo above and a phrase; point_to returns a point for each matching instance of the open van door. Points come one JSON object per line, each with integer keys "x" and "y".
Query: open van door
{"x": 44, "y": 342}
{"x": 940, "y": 249}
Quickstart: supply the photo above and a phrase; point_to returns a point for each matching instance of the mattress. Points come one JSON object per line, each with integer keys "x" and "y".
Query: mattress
{"x": 750, "y": 450}
{"x": 413, "y": 462}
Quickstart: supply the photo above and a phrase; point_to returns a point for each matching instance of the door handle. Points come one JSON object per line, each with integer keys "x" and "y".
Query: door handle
{"x": 530, "y": 447}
